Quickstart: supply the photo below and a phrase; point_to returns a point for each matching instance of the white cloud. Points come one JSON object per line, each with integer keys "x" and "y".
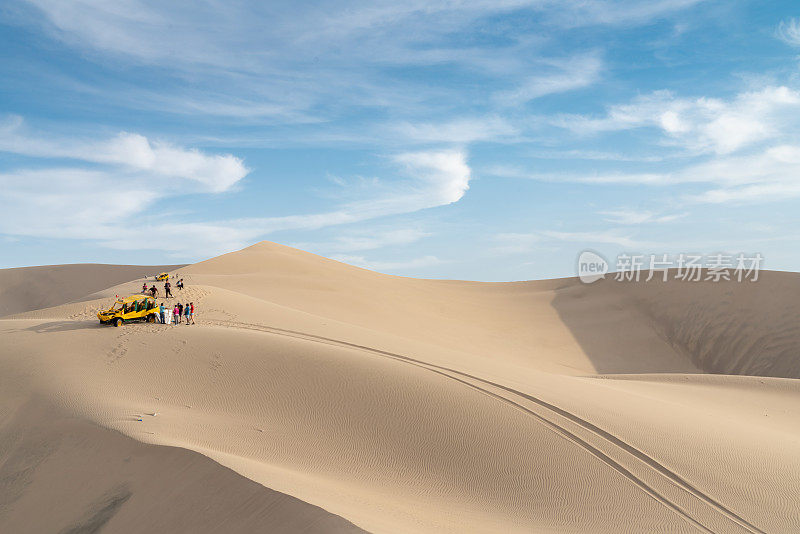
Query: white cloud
{"x": 444, "y": 175}
{"x": 556, "y": 77}
{"x": 313, "y": 64}
{"x": 616, "y": 12}
{"x": 595, "y": 155}
{"x": 789, "y": 31}
{"x": 518, "y": 172}
{"x": 750, "y": 193}
{"x": 109, "y": 193}
{"x": 770, "y": 174}
{"x": 132, "y": 153}
{"x": 366, "y": 240}
{"x": 468, "y": 130}
{"x": 773, "y": 174}
{"x": 744, "y": 146}
{"x": 701, "y": 124}
{"x": 634, "y": 217}
{"x": 618, "y": 178}
{"x": 216, "y": 172}
{"x": 109, "y": 204}
{"x": 213, "y": 33}
{"x": 609, "y": 237}
{"x": 225, "y": 64}
{"x": 414, "y": 263}
{"x": 401, "y": 236}
{"x": 71, "y": 203}
{"x": 434, "y": 179}
{"x": 516, "y": 243}
{"x": 114, "y": 210}
{"x": 185, "y": 240}
{"x": 505, "y": 171}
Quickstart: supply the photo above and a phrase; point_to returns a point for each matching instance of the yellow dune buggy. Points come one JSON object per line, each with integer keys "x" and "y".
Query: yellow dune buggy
{"x": 133, "y": 308}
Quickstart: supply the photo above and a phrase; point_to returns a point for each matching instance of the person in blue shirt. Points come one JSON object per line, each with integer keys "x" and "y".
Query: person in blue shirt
{"x": 161, "y": 312}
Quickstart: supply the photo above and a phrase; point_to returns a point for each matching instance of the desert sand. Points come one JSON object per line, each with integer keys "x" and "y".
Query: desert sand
{"x": 32, "y": 288}
{"x": 313, "y": 396}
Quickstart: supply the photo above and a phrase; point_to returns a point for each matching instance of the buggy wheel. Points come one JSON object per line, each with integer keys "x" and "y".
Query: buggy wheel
{"x": 151, "y": 318}
{"x": 118, "y": 321}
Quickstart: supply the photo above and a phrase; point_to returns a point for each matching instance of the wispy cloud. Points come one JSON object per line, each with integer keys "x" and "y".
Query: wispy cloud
{"x": 431, "y": 179}
{"x": 597, "y": 155}
{"x": 750, "y": 194}
{"x": 701, "y": 124}
{"x": 634, "y": 217}
{"x": 108, "y": 203}
{"x": 389, "y": 266}
{"x": 366, "y": 239}
{"x": 788, "y": 31}
{"x": 609, "y": 237}
{"x": 210, "y": 33}
{"x": 130, "y": 151}
{"x": 516, "y": 243}
{"x": 317, "y": 60}
{"x": 457, "y": 131}
{"x": 556, "y": 76}
{"x": 404, "y": 92}
{"x": 444, "y": 175}
{"x": 616, "y": 177}
{"x": 743, "y": 147}
{"x": 762, "y": 176}
{"x": 616, "y": 13}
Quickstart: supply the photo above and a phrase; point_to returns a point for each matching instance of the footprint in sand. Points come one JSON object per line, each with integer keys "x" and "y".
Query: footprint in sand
{"x": 120, "y": 350}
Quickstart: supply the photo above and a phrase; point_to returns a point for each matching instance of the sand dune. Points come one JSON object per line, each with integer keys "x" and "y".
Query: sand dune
{"x": 405, "y": 405}
{"x": 725, "y": 328}
{"x": 31, "y": 288}
{"x": 94, "y": 479}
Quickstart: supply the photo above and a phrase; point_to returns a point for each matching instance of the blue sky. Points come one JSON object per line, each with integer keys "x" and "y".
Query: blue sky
{"x": 478, "y": 140}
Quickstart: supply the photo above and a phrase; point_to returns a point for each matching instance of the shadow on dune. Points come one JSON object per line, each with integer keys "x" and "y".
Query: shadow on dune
{"x": 101, "y": 512}
{"x": 738, "y": 328}
{"x": 66, "y": 475}
{"x": 64, "y": 326}
{"x": 33, "y": 288}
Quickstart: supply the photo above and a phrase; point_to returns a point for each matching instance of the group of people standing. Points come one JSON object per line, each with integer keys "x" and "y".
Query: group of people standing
{"x": 179, "y": 313}
{"x": 153, "y": 290}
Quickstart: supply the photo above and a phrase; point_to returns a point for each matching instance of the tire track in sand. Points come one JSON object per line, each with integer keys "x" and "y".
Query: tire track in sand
{"x": 652, "y": 477}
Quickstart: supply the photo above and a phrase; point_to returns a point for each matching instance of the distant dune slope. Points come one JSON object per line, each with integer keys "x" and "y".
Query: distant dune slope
{"x": 31, "y": 288}
{"x": 725, "y": 327}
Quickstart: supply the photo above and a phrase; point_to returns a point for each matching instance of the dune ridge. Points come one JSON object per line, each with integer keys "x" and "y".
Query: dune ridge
{"x": 406, "y": 405}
